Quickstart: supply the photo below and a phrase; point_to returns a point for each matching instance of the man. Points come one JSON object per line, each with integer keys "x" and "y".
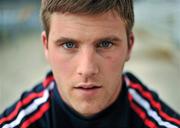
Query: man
{"x": 87, "y": 43}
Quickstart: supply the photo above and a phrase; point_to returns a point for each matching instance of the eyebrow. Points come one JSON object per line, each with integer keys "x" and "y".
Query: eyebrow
{"x": 109, "y": 38}
{"x": 66, "y": 39}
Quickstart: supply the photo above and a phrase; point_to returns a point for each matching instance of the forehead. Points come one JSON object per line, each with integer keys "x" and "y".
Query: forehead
{"x": 76, "y": 24}
{"x": 110, "y": 16}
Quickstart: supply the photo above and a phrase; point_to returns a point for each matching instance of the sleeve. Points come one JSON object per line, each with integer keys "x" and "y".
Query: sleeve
{"x": 151, "y": 108}
{"x": 25, "y": 110}
{"x": 11, "y": 116}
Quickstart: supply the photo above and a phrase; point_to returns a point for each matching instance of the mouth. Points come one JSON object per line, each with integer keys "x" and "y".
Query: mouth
{"x": 87, "y": 89}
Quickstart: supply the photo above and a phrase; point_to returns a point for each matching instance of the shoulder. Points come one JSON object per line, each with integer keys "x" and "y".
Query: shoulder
{"x": 30, "y": 107}
{"x": 148, "y": 106}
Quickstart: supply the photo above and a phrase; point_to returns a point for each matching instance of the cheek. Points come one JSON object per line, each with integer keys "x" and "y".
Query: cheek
{"x": 60, "y": 64}
{"x": 115, "y": 62}
{"x": 62, "y": 71}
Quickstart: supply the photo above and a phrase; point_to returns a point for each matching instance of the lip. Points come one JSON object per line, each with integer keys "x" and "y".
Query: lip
{"x": 87, "y": 86}
{"x": 87, "y": 89}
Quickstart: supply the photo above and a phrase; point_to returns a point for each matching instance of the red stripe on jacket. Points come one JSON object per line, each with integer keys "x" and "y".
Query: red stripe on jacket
{"x": 19, "y": 105}
{"x": 36, "y": 116}
{"x": 26, "y": 101}
{"x": 153, "y": 102}
{"x": 141, "y": 113}
{"x": 47, "y": 81}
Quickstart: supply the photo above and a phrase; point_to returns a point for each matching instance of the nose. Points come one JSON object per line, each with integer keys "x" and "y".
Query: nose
{"x": 88, "y": 66}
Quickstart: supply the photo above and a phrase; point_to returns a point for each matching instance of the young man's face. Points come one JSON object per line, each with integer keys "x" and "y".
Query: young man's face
{"x": 87, "y": 55}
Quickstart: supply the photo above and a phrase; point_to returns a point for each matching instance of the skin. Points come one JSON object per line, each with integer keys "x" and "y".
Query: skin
{"x": 87, "y": 54}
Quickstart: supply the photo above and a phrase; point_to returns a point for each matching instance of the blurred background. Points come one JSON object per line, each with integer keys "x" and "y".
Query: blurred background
{"x": 155, "y": 59}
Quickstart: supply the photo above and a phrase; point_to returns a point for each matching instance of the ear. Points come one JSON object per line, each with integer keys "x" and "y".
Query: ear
{"x": 45, "y": 43}
{"x": 131, "y": 44}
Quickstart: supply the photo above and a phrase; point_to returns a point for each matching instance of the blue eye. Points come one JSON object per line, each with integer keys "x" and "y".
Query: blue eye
{"x": 69, "y": 45}
{"x": 105, "y": 44}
